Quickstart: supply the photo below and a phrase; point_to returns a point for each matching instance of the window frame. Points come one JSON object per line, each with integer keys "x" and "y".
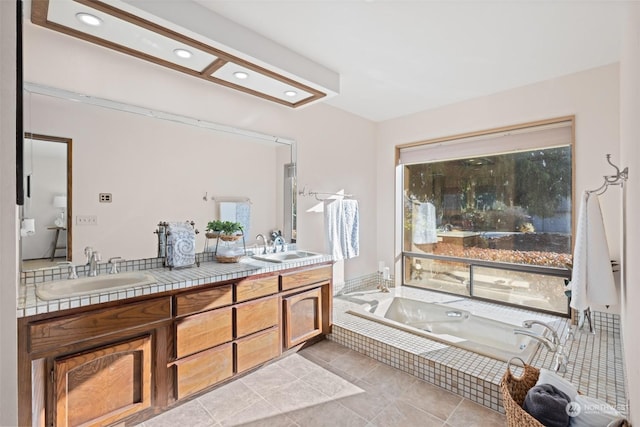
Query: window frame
{"x": 534, "y": 269}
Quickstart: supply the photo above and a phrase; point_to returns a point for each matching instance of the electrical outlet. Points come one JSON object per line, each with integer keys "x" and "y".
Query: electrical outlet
{"x": 104, "y": 197}
{"x": 86, "y": 220}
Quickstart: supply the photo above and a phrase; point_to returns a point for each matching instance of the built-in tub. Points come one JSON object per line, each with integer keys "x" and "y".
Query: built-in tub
{"x": 452, "y": 326}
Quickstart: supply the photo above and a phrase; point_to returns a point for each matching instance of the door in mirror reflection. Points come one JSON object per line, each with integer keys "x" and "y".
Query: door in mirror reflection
{"x": 45, "y": 227}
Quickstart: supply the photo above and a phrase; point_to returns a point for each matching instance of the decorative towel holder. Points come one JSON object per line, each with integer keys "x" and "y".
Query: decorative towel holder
{"x": 163, "y": 244}
{"x": 308, "y": 193}
{"x": 619, "y": 178}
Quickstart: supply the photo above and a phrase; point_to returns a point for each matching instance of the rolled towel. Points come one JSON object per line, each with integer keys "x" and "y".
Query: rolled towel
{"x": 548, "y": 405}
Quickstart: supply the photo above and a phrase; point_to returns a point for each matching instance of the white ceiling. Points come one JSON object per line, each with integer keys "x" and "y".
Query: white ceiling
{"x": 399, "y": 57}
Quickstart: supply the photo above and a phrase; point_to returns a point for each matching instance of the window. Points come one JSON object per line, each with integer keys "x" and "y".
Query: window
{"x": 489, "y": 215}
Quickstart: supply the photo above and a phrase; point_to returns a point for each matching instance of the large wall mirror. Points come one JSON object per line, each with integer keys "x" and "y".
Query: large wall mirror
{"x": 46, "y": 227}
{"x": 154, "y": 169}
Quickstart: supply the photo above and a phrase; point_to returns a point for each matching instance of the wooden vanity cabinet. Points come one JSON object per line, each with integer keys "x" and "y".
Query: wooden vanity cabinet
{"x": 306, "y": 304}
{"x": 125, "y": 361}
{"x": 94, "y": 367}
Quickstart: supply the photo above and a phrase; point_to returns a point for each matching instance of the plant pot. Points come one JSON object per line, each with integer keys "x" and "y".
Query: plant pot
{"x": 230, "y": 238}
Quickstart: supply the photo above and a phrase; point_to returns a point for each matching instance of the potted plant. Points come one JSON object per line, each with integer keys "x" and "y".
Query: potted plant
{"x": 226, "y": 230}
{"x": 213, "y": 229}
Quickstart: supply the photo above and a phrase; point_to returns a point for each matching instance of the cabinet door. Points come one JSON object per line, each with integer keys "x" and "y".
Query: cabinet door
{"x": 203, "y": 370}
{"x": 201, "y": 331}
{"x": 302, "y": 317}
{"x": 121, "y": 371}
{"x": 256, "y": 316}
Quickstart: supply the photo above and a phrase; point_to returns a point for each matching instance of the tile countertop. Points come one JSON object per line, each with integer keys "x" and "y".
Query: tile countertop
{"x": 210, "y": 271}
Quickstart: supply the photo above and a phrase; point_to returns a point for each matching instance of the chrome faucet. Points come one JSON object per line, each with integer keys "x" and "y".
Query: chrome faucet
{"x": 92, "y": 260}
{"x": 275, "y": 244}
{"x": 529, "y": 323}
{"x": 114, "y": 264}
{"x": 553, "y": 344}
{"x": 264, "y": 243}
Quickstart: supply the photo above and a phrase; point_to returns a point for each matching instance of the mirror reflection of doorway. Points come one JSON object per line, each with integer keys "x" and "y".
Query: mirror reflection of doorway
{"x": 45, "y": 225}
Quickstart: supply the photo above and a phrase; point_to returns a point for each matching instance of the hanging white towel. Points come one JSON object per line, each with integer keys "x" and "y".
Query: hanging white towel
{"x": 423, "y": 223}
{"x": 342, "y": 226}
{"x": 592, "y": 278}
{"x": 237, "y": 212}
{"x": 181, "y": 244}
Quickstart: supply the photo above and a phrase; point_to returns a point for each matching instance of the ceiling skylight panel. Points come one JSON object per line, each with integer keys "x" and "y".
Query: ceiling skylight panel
{"x": 128, "y": 35}
{"x": 261, "y": 83}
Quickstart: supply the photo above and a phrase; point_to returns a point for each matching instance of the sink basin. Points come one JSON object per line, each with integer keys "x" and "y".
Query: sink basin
{"x": 92, "y": 285}
{"x": 288, "y": 256}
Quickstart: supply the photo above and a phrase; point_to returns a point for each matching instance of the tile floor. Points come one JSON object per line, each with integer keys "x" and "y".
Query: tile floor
{"x": 328, "y": 385}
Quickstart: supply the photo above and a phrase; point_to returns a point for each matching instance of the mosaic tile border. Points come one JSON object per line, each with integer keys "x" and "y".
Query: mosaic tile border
{"x": 474, "y": 388}
{"x": 29, "y": 304}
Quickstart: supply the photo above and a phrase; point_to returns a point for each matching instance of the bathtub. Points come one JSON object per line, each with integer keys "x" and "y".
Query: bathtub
{"x": 452, "y": 326}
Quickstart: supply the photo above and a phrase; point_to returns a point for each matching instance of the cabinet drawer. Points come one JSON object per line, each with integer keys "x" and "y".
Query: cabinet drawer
{"x": 53, "y": 334}
{"x": 302, "y": 317}
{"x": 255, "y": 288}
{"x": 305, "y": 277}
{"x": 256, "y": 315}
{"x": 257, "y": 349}
{"x": 202, "y": 331}
{"x": 195, "y": 302}
{"x": 203, "y": 370}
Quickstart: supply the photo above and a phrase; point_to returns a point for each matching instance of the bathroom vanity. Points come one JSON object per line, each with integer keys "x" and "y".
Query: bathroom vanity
{"x": 121, "y": 362}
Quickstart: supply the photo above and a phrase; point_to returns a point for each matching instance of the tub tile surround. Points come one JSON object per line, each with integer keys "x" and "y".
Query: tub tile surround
{"x": 209, "y": 271}
{"x": 595, "y": 360}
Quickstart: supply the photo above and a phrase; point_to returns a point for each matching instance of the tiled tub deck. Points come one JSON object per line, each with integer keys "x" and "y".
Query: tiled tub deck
{"x": 595, "y": 360}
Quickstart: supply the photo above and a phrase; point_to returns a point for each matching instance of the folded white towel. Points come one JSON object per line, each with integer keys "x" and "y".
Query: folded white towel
{"x": 592, "y": 279}
{"x": 423, "y": 223}
{"x": 342, "y": 228}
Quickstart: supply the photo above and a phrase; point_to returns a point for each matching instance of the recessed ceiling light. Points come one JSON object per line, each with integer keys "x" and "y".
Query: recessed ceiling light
{"x": 183, "y": 53}
{"x": 241, "y": 75}
{"x": 89, "y": 19}
{"x": 291, "y": 93}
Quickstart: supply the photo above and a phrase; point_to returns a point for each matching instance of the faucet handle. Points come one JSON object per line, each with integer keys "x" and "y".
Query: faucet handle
{"x": 73, "y": 273}
{"x": 114, "y": 264}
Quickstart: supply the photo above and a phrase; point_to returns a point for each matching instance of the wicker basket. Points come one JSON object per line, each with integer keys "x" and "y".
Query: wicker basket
{"x": 228, "y": 259}
{"x": 514, "y": 389}
{"x": 230, "y": 238}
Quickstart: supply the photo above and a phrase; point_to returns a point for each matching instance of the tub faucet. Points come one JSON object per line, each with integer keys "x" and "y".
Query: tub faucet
{"x": 264, "y": 243}
{"x": 561, "y": 360}
{"x": 551, "y": 346}
{"x": 92, "y": 260}
{"x": 554, "y": 335}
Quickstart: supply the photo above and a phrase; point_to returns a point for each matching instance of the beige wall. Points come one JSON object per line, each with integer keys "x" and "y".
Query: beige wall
{"x": 592, "y": 96}
{"x": 8, "y": 218}
{"x": 335, "y": 149}
{"x": 630, "y": 152}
